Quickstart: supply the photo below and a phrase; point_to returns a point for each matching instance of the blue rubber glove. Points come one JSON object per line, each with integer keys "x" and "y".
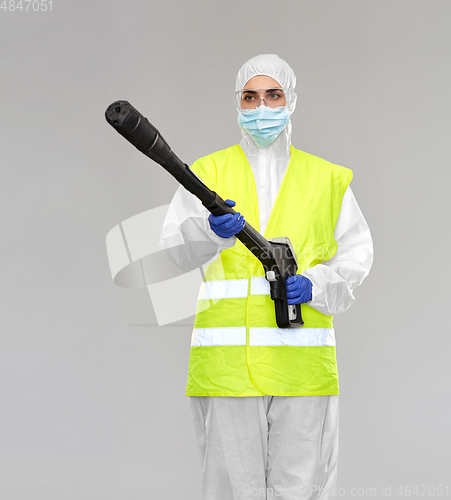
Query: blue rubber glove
{"x": 227, "y": 225}
{"x": 299, "y": 289}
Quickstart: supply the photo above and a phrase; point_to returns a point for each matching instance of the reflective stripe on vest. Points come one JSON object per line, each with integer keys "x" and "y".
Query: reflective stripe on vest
{"x": 236, "y": 347}
{"x": 233, "y": 289}
{"x": 263, "y": 336}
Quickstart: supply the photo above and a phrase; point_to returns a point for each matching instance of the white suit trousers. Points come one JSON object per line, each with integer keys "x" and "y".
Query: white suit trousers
{"x": 267, "y": 447}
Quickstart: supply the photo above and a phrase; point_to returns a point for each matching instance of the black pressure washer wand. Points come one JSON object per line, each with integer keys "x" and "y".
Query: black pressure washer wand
{"x": 277, "y": 256}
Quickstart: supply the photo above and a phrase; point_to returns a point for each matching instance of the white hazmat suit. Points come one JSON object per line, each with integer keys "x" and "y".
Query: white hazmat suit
{"x": 265, "y": 446}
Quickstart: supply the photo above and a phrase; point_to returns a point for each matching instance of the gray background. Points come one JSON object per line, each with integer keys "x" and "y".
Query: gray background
{"x": 93, "y": 405}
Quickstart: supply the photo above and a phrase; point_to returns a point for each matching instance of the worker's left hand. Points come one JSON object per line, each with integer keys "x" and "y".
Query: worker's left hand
{"x": 299, "y": 289}
{"x": 227, "y": 225}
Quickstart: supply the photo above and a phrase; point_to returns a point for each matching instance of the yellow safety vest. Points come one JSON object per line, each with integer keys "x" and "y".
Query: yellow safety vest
{"x": 237, "y": 348}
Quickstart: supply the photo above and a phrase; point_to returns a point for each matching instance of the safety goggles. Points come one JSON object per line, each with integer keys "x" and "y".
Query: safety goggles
{"x": 248, "y": 99}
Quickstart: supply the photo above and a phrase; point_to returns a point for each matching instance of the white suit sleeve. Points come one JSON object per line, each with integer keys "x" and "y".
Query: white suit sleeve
{"x": 333, "y": 280}
{"x": 186, "y": 237}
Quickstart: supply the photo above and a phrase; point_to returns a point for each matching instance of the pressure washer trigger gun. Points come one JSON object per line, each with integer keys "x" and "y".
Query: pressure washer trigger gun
{"x": 287, "y": 265}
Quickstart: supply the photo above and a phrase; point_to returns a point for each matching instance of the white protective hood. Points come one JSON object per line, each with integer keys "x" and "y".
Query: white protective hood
{"x": 268, "y": 164}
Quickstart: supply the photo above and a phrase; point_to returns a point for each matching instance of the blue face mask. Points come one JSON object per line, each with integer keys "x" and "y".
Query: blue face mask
{"x": 264, "y": 124}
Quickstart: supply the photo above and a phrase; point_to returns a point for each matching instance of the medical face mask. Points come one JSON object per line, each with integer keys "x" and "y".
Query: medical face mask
{"x": 264, "y": 124}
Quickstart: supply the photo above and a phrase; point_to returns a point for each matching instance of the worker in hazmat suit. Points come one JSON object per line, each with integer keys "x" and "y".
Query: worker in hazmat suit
{"x": 264, "y": 399}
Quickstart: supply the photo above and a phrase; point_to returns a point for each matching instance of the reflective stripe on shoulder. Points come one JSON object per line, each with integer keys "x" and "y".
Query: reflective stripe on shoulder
{"x": 263, "y": 336}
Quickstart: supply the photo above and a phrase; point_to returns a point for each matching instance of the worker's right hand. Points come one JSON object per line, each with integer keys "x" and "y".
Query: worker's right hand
{"x": 227, "y": 225}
